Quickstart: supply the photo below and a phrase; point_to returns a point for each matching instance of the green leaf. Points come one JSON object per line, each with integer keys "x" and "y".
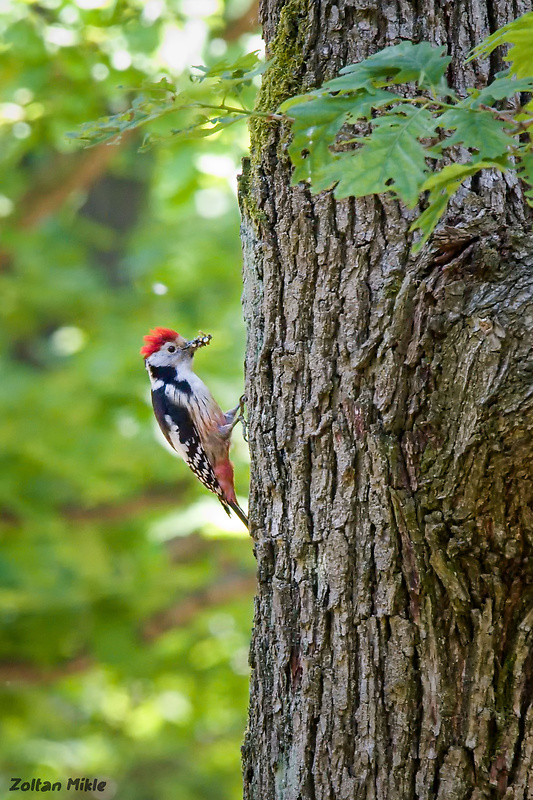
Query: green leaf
{"x": 488, "y": 45}
{"x": 428, "y": 219}
{"x": 164, "y": 85}
{"x": 477, "y": 129}
{"x": 362, "y": 101}
{"x": 500, "y": 89}
{"x": 314, "y": 130}
{"x": 402, "y": 63}
{"x": 518, "y": 33}
{"x": 233, "y": 75}
{"x": 399, "y": 64}
{"x": 525, "y": 173}
{"x": 199, "y": 131}
{"x": 223, "y": 68}
{"x": 521, "y": 54}
{"x": 391, "y": 159}
{"x": 143, "y": 109}
{"x": 442, "y": 185}
{"x": 317, "y": 123}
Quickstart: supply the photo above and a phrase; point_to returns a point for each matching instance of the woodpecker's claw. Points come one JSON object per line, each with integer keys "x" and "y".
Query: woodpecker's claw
{"x": 232, "y": 417}
{"x": 241, "y": 418}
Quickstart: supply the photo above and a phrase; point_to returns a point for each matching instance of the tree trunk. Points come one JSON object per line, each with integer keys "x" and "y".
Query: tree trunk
{"x": 391, "y": 416}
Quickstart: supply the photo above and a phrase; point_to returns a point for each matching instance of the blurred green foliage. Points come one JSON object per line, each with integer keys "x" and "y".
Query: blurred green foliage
{"x": 125, "y": 593}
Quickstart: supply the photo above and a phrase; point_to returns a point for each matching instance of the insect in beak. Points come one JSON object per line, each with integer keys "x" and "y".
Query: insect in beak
{"x": 201, "y": 341}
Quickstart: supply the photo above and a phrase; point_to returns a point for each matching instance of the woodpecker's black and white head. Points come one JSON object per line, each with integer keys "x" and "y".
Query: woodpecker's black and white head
{"x": 166, "y": 348}
{"x": 168, "y": 359}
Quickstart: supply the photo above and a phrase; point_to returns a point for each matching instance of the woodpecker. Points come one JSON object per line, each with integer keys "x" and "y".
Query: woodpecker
{"x": 190, "y": 419}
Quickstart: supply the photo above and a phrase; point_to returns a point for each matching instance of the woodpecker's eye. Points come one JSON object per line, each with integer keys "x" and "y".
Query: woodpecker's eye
{"x": 171, "y": 348}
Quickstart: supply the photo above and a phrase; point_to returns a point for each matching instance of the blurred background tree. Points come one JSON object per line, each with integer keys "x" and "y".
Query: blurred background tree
{"x": 125, "y": 593}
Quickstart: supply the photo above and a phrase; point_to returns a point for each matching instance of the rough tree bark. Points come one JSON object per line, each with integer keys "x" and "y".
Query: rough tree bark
{"x": 391, "y": 416}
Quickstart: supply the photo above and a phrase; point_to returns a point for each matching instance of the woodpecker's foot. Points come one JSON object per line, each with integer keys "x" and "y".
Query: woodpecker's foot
{"x": 232, "y": 417}
{"x": 241, "y": 418}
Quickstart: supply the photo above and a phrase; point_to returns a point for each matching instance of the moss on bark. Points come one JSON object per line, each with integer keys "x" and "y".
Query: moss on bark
{"x": 283, "y": 78}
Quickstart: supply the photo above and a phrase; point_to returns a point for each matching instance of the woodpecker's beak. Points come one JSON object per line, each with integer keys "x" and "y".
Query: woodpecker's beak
{"x": 201, "y": 341}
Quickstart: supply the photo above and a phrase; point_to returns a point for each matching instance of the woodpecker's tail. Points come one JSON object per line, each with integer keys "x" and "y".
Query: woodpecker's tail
{"x": 240, "y": 513}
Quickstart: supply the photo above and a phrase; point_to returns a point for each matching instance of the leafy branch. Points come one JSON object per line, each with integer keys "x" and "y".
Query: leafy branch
{"x": 355, "y": 134}
{"x": 407, "y": 144}
{"x": 233, "y": 83}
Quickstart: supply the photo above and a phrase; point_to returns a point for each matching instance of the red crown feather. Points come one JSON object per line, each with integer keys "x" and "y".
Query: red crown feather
{"x": 156, "y": 338}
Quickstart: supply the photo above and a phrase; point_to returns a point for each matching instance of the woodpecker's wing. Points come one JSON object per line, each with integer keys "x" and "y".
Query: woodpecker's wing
{"x": 182, "y": 434}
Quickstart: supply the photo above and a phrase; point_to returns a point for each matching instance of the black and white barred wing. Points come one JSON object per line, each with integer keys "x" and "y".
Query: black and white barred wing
{"x": 182, "y": 434}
